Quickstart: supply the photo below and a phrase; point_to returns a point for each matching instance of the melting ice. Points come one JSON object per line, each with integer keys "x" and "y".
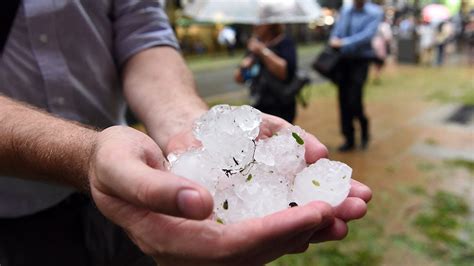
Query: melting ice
{"x": 250, "y": 177}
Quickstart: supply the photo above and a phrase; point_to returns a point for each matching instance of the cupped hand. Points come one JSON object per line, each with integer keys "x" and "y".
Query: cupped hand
{"x": 165, "y": 214}
{"x": 353, "y": 207}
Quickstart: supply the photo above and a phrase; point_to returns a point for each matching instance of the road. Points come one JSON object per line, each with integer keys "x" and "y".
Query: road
{"x": 219, "y": 80}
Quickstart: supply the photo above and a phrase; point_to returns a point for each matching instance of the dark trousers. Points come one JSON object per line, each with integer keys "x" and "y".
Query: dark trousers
{"x": 71, "y": 233}
{"x": 353, "y": 77}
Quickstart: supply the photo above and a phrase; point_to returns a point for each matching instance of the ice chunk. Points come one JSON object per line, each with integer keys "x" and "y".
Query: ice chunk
{"x": 252, "y": 178}
{"x": 324, "y": 180}
{"x": 283, "y": 152}
{"x": 228, "y": 134}
{"x": 197, "y": 166}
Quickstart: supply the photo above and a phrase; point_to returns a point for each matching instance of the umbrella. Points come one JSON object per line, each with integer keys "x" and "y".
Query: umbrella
{"x": 435, "y": 13}
{"x": 253, "y": 11}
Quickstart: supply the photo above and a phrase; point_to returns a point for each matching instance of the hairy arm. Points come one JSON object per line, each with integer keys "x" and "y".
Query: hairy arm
{"x": 161, "y": 91}
{"x": 36, "y": 145}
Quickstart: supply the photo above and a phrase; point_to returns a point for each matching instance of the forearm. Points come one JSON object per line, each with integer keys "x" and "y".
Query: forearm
{"x": 275, "y": 64}
{"x": 36, "y": 145}
{"x": 362, "y": 37}
{"x": 161, "y": 92}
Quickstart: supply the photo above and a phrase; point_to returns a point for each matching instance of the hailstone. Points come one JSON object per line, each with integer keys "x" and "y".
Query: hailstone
{"x": 250, "y": 177}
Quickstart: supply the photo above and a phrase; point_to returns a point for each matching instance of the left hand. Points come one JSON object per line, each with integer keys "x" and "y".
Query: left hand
{"x": 353, "y": 207}
{"x": 255, "y": 46}
{"x": 335, "y": 43}
{"x": 331, "y": 227}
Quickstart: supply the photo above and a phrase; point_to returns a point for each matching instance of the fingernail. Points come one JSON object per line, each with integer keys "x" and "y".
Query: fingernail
{"x": 190, "y": 203}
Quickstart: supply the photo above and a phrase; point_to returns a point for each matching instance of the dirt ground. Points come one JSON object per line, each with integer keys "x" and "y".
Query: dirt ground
{"x": 407, "y": 163}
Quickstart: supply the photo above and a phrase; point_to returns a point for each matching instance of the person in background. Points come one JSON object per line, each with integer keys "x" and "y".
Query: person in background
{"x": 76, "y": 188}
{"x": 406, "y": 27}
{"x": 381, "y": 44}
{"x": 443, "y": 36}
{"x": 271, "y": 58}
{"x": 426, "y": 31}
{"x": 352, "y": 36}
{"x": 228, "y": 38}
{"x": 469, "y": 37}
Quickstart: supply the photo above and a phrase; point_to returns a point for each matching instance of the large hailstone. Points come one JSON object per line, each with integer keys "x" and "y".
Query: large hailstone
{"x": 253, "y": 178}
{"x": 324, "y": 180}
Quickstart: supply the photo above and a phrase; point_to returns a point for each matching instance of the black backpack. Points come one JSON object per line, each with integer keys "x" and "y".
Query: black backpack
{"x": 8, "y": 12}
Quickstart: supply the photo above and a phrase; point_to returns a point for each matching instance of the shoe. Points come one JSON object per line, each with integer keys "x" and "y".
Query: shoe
{"x": 347, "y": 146}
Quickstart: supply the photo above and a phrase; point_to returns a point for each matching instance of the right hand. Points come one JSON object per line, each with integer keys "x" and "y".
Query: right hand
{"x": 130, "y": 185}
{"x": 246, "y": 62}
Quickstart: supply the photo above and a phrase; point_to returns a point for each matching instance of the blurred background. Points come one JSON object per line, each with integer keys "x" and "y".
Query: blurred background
{"x": 420, "y": 162}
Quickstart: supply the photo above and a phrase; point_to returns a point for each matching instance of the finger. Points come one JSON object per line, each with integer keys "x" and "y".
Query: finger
{"x": 300, "y": 249}
{"x": 270, "y": 125}
{"x": 232, "y": 243}
{"x": 351, "y": 208}
{"x": 284, "y": 225}
{"x": 337, "y": 231}
{"x": 360, "y": 190}
{"x": 155, "y": 190}
{"x": 314, "y": 149}
{"x": 293, "y": 245}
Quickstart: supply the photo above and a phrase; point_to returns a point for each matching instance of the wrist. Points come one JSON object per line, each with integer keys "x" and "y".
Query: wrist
{"x": 174, "y": 121}
{"x": 90, "y": 152}
{"x": 265, "y": 52}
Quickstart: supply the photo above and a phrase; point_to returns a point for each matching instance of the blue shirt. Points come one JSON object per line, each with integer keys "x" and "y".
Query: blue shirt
{"x": 356, "y": 28}
{"x": 65, "y": 56}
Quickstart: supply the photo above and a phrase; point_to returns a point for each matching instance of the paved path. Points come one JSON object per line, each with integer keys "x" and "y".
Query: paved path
{"x": 219, "y": 81}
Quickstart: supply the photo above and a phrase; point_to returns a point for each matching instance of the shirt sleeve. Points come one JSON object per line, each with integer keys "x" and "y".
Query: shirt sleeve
{"x": 364, "y": 36}
{"x": 138, "y": 25}
{"x": 287, "y": 51}
{"x": 336, "y": 31}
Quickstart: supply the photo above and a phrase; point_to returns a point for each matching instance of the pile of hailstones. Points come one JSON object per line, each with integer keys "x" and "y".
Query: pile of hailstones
{"x": 250, "y": 177}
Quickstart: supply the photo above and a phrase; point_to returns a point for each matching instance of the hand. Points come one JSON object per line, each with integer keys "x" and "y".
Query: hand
{"x": 335, "y": 43}
{"x": 131, "y": 188}
{"x": 255, "y": 46}
{"x": 353, "y": 207}
{"x": 246, "y": 62}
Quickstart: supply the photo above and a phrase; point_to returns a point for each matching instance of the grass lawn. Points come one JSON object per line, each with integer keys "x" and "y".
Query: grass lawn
{"x": 422, "y": 212}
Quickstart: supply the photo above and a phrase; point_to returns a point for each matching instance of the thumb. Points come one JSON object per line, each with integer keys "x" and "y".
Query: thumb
{"x": 156, "y": 190}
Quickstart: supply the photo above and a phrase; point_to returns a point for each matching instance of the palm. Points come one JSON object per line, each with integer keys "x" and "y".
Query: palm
{"x": 131, "y": 187}
{"x": 210, "y": 243}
